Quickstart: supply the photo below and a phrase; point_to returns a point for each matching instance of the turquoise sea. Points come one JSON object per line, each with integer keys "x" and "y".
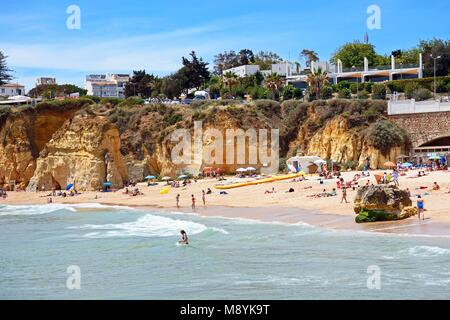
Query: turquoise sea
{"x": 124, "y": 253}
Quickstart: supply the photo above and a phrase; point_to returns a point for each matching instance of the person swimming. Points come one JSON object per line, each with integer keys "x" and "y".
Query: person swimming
{"x": 184, "y": 238}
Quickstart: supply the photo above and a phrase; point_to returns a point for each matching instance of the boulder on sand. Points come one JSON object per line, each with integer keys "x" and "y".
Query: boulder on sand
{"x": 382, "y": 203}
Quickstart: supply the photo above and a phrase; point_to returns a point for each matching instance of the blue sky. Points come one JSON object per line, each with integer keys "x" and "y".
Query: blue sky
{"x": 121, "y": 36}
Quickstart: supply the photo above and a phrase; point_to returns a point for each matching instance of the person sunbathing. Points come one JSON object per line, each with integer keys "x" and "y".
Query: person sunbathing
{"x": 436, "y": 187}
{"x": 270, "y": 191}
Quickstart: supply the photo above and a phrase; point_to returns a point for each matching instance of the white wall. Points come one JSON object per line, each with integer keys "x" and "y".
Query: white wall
{"x": 412, "y": 106}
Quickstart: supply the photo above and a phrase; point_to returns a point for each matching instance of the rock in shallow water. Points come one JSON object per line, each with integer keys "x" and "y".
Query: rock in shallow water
{"x": 382, "y": 203}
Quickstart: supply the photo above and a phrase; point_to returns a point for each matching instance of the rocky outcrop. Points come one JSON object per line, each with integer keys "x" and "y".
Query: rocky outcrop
{"x": 58, "y": 143}
{"x": 23, "y": 135}
{"x": 382, "y": 203}
{"x": 338, "y": 141}
{"x": 85, "y": 151}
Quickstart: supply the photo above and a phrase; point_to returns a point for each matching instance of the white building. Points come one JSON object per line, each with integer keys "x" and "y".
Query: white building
{"x": 45, "y": 81}
{"x": 243, "y": 71}
{"x": 12, "y": 89}
{"x": 102, "y": 89}
{"x": 337, "y": 73}
{"x": 106, "y": 85}
{"x": 282, "y": 69}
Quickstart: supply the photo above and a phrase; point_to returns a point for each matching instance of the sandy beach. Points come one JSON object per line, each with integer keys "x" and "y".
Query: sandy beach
{"x": 252, "y": 202}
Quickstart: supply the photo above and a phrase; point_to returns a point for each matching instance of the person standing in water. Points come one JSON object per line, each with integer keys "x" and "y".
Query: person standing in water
{"x": 184, "y": 238}
{"x": 421, "y": 207}
{"x": 193, "y": 202}
{"x": 203, "y": 198}
{"x": 178, "y": 201}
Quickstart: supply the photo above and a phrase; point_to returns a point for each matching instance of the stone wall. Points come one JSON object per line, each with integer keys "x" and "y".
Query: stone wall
{"x": 423, "y": 127}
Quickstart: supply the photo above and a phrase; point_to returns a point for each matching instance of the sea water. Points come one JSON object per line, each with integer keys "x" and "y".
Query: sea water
{"x": 123, "y": 253}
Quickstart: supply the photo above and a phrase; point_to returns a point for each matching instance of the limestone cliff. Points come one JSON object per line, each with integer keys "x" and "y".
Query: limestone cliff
{"x": 88, "y": 145}
{"x": 338, "y": 141}
{"x": 23, "y": 135}
{"x": 85, "y": 151}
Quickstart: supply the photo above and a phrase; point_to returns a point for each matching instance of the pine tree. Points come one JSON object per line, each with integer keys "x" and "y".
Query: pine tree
{"x": 4, "y": 71}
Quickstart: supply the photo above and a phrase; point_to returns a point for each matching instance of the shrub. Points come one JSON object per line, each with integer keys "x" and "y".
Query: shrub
{"x": 5, "y": 111}
{"x": 343, "y": 85}
{"x": 291, "y": 92}
{"x": 131, "y": 102}
{"x": 326, "y": 92}
{"x": 363, "y": 95}
{"x": 268, "y": 107}
{"x": 94, "y": 98}
{"x": 345, "y": 94}
{"x": 64, "y": 104}
{"x": 422, "y": 94}
{"x": 440, "y": 86}
{"x": 384, "y": 135}
{"x": 111, "y": 101}
{"x": 379, "y": 91}
{"x": 354, "y": 87}
{"x": 368, "y": 86}
{"x": 410, "y": 88}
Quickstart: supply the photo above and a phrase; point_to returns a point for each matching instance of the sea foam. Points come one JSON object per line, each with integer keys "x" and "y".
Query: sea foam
{"x": 29, "y": 210}
{"x": 428, "y": 251}
{"x": 146, "y": 226}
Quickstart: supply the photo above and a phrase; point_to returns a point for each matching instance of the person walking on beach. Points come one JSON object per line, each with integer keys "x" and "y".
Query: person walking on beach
{"x": 421, "y": 207}
{"x": 344, "y": 195}
{"x": 178, "y": 201}
{"x": 395, "y": 177}
{"x": 203, "y": 198}
{"x": 193, "y": 202}
{"x": 184, "y": 238}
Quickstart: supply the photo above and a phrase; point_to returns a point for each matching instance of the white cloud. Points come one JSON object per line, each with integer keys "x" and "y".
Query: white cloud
{"x": 158, "y": 52}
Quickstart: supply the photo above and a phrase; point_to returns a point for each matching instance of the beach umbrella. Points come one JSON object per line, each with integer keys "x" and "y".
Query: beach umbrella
{"x": 69, "y": 186}
{"x": 166, "y": 178}
{"x": 241, "y": 170}
{"x": 389, "y": 164}
{"x": 435, "y": 157}
{"x": 150, "y": 177}
{"x": 107, "y": 184}
{"x": 251, "y": 169}
{"x": 406, "y": 165}
{"x": 183, "y": 176}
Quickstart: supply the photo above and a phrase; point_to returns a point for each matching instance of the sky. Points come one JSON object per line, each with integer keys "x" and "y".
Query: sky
{"x": 121, "y": 36}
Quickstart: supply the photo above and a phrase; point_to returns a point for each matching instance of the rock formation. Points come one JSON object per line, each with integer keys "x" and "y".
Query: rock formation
{"x": 84, "y": 151}
{"x": 58, "y": 143}
{"x": 382, "y": 203}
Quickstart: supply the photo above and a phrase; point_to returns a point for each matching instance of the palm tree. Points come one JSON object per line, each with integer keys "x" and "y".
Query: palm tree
{"x": 230, "y": 79}
{"x": 317, "y": 80}
{"x": 274, "y": 83}
{"x": 309, "y": 55}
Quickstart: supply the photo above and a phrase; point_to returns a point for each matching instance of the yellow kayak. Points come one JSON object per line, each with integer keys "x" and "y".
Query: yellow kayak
{"x": 164, "y": 190}
{"x": 260, "y": 181}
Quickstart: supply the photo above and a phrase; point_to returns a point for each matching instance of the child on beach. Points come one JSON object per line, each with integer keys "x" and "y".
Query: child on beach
{"x": 436, "y": 187}
{"x": 193, "y": 202}
{"x": 178, "y": 200}
{"x": 203, "y": 198}
{"x": 344, "y": 195}
{"x": 421, "y": 207}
